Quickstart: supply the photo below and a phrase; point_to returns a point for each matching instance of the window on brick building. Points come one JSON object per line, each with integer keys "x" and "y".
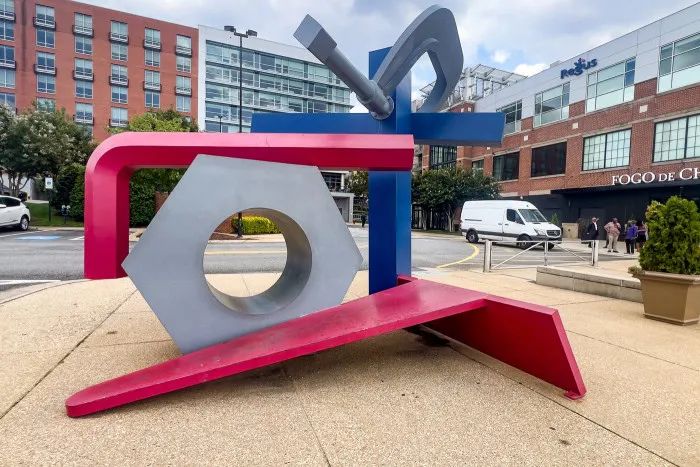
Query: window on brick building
{"x": 83, "y": 112}
{"x": 183, "y": 104}
{"x": 45, "y": 38}
{"x": 153, "y": 100}
{"x": 478, "y": 165}
{"x": 119, "y": 31}
{"x": 7, "y": 55}
{"x": 120, "y": 95}
{"x": 119, "y": 116}
{"x": 7, "y": 30}
{"x": 552, "y": 105}
{"x": 443, "y": 157}
{"x": 548, "y": 160}
{"x": 152, "y": 58}
{"x": 677, "y": 139}
{"x": 7, "y": 99}
{"x": 83, "y": 45}
{"x": 513, "y": 113}
{"x": 506, "y": 167}
{"x": 120, "y": 52}
{"x": 7, "y": 6}
{"x": 46, "y": 84}
{"x": 152, "y": 38}
{"x": 46, "y": 104}
{"x": 83, "y": 23}
{"x": 7, "y": 78}
{"x": 45, "y": 16}
{"x": 606, "y": 151}
{"x": 83, "y": 89}
{"x": 183, "y": 64}
{"x": 610, "y": 86}
{"x": 680, "y": 63}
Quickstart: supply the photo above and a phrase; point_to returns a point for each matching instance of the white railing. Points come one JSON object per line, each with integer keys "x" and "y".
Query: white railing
{"x": 566, "y": 256}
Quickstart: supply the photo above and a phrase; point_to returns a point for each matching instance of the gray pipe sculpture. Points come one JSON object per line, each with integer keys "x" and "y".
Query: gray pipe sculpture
{"x": 434, "y": 31}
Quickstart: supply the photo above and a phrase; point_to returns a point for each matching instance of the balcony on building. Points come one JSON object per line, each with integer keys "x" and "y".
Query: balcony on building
{"x": 118, "y": 80}
{"x": 85, "y": 118}
{"x": 150, "y": 86}
{"x": 7, "y": 15}
{"x": 118, "y": 123}
{"x": 182, "y": 91}
{"x": 48, "y": 23}
{"x": 84, "y": 75}
{"x": 45, "y": 69}
{"x": 83, "y": 31}
{"x": 122, "y": 38}
{"x": 152, "y": 44}
{"x": 5, "y": 63}
{"x": 182, "y": 50}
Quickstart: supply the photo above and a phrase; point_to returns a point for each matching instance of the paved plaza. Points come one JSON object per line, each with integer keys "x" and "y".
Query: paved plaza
{"x": 389, "y": 400}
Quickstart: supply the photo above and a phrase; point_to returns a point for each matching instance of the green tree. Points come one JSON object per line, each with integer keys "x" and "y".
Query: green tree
{"x": 445, "y": 190}
{"x": 674, "y": 238}
{"x": 77, "y": 195}
{"x": 65, "y": 181}
{"x": 38, "y": 143}
{"x": 145, "y": 182}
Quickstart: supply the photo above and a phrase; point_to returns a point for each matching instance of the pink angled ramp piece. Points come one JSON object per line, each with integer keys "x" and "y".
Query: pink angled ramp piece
{"x": 410, "y": 304}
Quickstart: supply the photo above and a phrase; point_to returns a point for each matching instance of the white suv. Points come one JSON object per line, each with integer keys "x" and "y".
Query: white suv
{"x": 13, "y": 213}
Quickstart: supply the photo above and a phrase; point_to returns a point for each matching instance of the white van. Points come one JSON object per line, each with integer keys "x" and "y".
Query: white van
{"x": 506, "y": 221}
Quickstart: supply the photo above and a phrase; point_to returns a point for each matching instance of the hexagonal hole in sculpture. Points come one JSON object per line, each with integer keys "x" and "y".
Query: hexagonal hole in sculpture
{"x": 258, "y": 295}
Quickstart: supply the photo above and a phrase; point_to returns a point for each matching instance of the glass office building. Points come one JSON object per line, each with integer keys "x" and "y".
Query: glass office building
{"x": 242, "y": 74}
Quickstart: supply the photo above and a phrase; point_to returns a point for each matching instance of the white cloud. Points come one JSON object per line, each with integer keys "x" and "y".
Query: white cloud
{"x": 500, "y": 56}
{"x": 529, "y": 70}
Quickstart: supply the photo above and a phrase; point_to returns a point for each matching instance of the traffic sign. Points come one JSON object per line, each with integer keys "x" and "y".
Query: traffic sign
{"x": 48, "y": 183}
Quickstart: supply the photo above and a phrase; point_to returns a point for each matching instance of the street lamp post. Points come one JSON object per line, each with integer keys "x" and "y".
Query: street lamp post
{"x": 240, "y": 106}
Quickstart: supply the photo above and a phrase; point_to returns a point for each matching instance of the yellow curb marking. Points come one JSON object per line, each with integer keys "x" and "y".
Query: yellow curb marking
{"x": 476, "y": 252}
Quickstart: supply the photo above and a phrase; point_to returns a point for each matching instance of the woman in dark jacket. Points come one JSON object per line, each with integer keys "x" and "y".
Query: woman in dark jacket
{"x": 641, "y": 235}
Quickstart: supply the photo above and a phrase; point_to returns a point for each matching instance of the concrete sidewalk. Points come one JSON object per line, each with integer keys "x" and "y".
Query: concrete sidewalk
{"x": 389, "y": 400}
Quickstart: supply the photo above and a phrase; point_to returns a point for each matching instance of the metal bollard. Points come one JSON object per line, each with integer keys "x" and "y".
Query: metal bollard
{"x": 546, "y": 250}
{"x": 487, "y": 255}
{"x": 594, "y": 259}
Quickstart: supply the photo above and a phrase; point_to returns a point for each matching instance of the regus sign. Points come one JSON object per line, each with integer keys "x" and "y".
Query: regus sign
{"x": 649, "y": 177}
{"x": 578, "y": 68}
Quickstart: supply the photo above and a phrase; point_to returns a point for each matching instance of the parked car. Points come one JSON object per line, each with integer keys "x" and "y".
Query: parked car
{"x": 506, "y": 221}
{"x": 14, "y": 213}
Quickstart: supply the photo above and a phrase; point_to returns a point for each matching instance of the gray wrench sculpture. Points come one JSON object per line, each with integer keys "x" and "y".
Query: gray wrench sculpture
{"x": 434, "y": 31}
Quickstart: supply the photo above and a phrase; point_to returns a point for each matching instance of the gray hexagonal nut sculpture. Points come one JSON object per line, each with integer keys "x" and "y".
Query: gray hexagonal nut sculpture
{"x": 166, "y": 264}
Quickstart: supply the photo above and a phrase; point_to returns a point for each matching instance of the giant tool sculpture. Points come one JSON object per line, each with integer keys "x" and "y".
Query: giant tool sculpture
{"x": 277, "y": 174}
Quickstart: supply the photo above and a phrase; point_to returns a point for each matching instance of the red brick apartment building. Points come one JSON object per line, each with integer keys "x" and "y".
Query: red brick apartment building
{"x": 102, "y": 66}
{"x": 601, "y": 134}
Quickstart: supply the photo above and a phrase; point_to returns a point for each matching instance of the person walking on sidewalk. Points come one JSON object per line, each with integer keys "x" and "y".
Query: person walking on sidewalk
{"x": 641, "y": 234}
{"x": 613, "y": 229}
{"x": 592, "y": 232}
{"x": 363, "y": 218}
{"x": 630, "y": 237}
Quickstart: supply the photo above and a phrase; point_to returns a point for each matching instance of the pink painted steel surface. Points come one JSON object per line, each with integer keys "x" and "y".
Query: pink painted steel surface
{"x": 526, "y": 336}
{"x": 110, "y": 167}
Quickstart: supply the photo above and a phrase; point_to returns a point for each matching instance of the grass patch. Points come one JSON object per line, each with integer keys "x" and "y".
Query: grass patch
{"x": 40, "y": 217}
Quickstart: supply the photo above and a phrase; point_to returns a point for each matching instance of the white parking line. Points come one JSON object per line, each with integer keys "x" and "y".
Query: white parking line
{"x": 21, "y": 233}
{"x": 77, "y": 238}
{"x": 22, "y": 281}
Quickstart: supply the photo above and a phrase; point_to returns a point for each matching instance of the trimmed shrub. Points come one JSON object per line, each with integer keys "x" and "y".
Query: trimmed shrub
{"x": 555, "y": 219}
{"x": 674, "y": 238}
{"x": 253, "y": 225}
{"x": 77, "y": 195}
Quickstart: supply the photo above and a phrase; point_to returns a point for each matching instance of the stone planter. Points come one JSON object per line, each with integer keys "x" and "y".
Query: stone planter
{"x": 672, "y": 298}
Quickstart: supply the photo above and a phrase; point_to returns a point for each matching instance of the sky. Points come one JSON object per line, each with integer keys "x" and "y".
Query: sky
{"x": 523, "y": 36}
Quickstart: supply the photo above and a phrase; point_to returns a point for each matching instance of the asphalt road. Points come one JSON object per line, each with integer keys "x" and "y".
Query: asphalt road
{"x": 58, "y": 255}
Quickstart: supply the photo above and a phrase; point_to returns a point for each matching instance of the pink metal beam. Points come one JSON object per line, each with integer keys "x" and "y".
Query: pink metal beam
{"x": 531, "y": 338}
{"x": 111, "y": 165}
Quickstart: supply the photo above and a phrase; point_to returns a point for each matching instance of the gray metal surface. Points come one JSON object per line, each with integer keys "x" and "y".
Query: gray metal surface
{"x": 166, "y": 263}
{"x": 433, "y": 32}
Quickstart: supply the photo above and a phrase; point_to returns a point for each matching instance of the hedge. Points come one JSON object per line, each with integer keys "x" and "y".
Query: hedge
{"x": 255, "y": 225}
{"x": 77, "y": 195}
